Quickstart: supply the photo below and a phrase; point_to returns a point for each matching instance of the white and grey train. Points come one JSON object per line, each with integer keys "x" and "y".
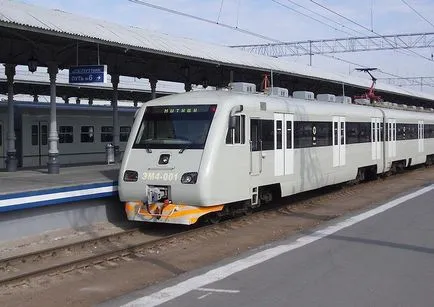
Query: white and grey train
{"x": 83, "y": 132}
{"x": 211, "y": 153}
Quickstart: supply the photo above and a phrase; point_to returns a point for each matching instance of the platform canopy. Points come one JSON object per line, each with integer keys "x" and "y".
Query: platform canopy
{"x": 29, "y": 32}
{"x": 37, "y": 84}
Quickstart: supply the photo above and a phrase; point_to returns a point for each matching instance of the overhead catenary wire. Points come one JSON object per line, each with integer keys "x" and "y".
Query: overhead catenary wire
{"x": 323, "y": 16}
{"x": 317, "y": 20}
{"x": 142, "y": 2}
{"x": 406, "y": 52}
{"x": 419, "y": 14}
{"x": 220, "y": 11}
{"x": 238, "y": 12}
{"x": 364, "y": 27}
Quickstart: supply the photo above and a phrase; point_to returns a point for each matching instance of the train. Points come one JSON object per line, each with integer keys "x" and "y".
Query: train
{"x": 210, "y": 154}
{"x": 83, "y": 132}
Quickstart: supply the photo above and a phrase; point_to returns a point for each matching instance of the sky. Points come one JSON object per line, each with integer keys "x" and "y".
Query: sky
{"x": 281, "y": 20}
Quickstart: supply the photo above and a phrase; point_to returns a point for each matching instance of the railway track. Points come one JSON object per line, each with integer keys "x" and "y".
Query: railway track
{"x": 120, "y": 246}
{"x": 125, "y": 245}
{"x": 73, "y": 256}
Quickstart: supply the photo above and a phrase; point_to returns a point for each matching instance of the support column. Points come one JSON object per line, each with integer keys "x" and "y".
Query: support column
{"x": 153, "y": 82}
{"x": 11, "y": 159}
{"x": 187, "y": 83}
{"x": 116, "y": 129}
{"x": 53, "y": 138}
{"x": 187, "y": 86}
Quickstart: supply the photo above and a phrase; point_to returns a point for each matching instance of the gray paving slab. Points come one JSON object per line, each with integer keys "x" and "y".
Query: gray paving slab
{"x": 386, "y": 260}
{"x": 38, "y": 179}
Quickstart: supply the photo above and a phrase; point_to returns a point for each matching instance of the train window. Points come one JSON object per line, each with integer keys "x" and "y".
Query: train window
{"x": 342, "y": 133}
{"x": 364, "y": 132}
{"x": 429, "y": 131}
{"x": 255, "y": 128}
{"x": 352, "y": 133}
{"x": 310, "y": 134}
{"x": 279, "y": 134}
{"x": 400, "y": 132}
{"x": 358, "y": 132}
{"x": 44, "y": 134}
{"x": 288, "y": 134}
{"x": 303, "y": 134}
{"x": 35, "y": 135}
{"x": 388, "y": 132}
{"x": 237, "y": 135}
{"x": 412, "y": 132}
{"x": 66, "y": 134}
{"x": 381, "y": 133}
{"x": 125, "y": 133}
{"x": 323, "y": 133}
{"x": 87, "y": 134}
{"x": 267, "y": 134}
{"x": 106, "y": 134}
{"x": 182, "y": 127}
{"x": 335, "y": 131}
{"x": 1, "y": 136}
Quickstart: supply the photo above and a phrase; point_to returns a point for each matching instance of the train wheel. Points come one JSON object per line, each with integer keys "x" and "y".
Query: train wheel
{"x": 213, "y": 218}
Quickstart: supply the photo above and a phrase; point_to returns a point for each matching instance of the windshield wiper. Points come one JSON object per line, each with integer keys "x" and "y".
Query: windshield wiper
{"x": 184, "y": 148}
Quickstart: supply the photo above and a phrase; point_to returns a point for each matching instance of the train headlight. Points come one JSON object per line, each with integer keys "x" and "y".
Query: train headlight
{"x": 131, "y": 176}
{"x": 189, "y": 178}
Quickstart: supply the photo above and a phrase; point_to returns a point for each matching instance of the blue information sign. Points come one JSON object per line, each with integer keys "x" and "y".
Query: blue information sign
{"x": 88, "y": 74}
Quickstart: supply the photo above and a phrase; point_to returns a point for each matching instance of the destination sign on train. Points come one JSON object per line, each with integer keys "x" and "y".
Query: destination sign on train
{"x": 88, "y": 74}
{"x": 182, "y": 109}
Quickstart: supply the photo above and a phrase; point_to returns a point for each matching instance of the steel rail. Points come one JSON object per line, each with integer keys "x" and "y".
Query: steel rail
{"x": 88, "y": 260}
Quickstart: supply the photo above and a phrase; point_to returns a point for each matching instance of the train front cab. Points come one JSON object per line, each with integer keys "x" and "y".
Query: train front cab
{"x": 158, "y": 179}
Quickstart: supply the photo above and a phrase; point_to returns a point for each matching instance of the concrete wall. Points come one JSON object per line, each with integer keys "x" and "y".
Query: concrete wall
{"x": 21, "y": 223}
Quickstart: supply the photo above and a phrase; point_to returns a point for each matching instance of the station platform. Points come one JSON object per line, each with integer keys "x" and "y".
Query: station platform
{"x": 33, "y": 202}
{"x": 35, "y": 188}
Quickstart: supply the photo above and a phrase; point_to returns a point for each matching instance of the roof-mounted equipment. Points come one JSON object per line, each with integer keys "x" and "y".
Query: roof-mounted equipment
{"x": 243, "y": 87}
{"x": 326, "y": 97}
{"x": 279, "y": 91}
{"x": 303, "y": 95}
{"x": 343, "y": 99}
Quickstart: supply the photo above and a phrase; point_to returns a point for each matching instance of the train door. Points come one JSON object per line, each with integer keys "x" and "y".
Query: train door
{"x": 2, "y": 146}
{"x": 39, "y": 142}
{"x": 391, "y": 137}
{"x": 339, "y": 141}
{"x": 255, "y": 147}
{"x": 376, "y": 138}
{"x": 420, "y": 135}
{"x": 283, "y": 144}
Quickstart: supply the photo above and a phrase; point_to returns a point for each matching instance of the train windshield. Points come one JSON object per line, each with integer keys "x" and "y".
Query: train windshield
{"x": 175, "y": 127}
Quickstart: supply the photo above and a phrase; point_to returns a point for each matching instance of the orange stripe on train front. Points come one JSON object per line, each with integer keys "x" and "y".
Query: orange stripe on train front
{"x": 179, "y": 211}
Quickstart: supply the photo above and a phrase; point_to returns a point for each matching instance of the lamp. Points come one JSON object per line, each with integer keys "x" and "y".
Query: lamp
{"x": 32, "y": 64}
